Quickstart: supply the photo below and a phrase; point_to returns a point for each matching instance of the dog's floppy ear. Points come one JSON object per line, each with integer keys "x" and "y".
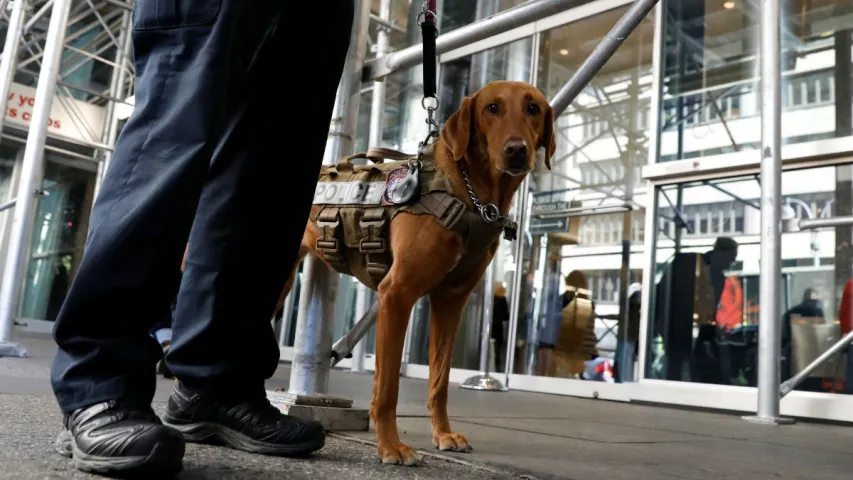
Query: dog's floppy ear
{"x": 549, "y": 138}
{"x": 457, "y": 130}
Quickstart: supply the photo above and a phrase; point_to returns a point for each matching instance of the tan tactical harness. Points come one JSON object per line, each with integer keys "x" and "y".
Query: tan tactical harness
{"x": 354, "y": 238}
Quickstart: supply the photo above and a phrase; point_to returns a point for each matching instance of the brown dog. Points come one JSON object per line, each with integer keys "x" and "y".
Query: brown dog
{"x": 493, "y": 137}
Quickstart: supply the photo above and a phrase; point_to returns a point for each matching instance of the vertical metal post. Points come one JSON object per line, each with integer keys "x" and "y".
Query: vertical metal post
{"x": 407, "y": 341}
{"x": 309, "y": 373}
{"x": 312, "y": 354}
{"x": 769, "y": 327}
{"x": 117, "y": 92}
{"x": 624, "y": 355}
{"x": 287, "y": 308}
{"x": 362, "y": 305}
{"x": 647, "y": 304}
{"x": 377, "y": 107}
{"x": 30, "y": 183}
{"x": 10, "y": 54}
{"x": 484, "y": 381}
{"x": 539, "y": 303}
{"x": 517, "y": 277}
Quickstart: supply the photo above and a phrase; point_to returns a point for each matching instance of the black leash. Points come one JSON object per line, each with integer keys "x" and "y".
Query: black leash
{"x": 427, "y": 21}
{"x": 430, "y": 32}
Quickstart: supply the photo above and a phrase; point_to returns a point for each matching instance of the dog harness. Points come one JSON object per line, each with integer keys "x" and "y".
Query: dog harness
{"x": 357, "y": 206}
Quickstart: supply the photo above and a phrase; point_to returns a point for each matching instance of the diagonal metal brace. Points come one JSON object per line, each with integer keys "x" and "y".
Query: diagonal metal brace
{"x": 601, "y": 54}
{"x": 789, "y": 385}
{"x": 343, "y": 348}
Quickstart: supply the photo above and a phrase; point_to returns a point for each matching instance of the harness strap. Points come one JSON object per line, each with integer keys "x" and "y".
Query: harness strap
{"x": 374, "y": 243}
{"x": 328, "y": 243}
{"x": 380, "y": 153}
{"x": 447, "y": 209}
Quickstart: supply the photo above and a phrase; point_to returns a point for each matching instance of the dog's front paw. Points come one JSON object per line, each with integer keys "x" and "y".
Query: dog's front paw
{"x": 453, "y": 442}
{"x": 398, "y": 454}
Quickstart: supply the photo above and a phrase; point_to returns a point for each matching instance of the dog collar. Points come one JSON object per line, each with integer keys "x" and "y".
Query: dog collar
{"x": 489, "y": 212}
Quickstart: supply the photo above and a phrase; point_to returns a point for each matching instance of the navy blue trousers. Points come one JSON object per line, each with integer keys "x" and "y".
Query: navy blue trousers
{"x": 233, "y": 102}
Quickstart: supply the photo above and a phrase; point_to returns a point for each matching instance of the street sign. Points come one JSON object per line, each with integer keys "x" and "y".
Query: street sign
{"x": 545, "y": 203}
{"x": 538, "y": 226}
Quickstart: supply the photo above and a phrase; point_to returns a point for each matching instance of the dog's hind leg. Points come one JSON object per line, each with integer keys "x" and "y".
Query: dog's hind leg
{"x": 309, "y": 238}
{"x": 289, "y": 284}
{"x": 445, "y": 312}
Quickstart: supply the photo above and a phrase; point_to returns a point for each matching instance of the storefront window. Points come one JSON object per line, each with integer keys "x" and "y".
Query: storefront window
{"x": 703, "y": 324}
{"x": 711, "y": 99}
{"x": 582, "y": 251}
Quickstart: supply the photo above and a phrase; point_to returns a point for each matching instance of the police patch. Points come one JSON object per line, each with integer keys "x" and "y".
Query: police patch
{"x": 392, "y": 181}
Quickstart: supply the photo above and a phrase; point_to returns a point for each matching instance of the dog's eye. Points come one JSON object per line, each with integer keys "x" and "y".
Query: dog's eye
{"x": 533, "y": 109}
{"x": 493, "y": 108}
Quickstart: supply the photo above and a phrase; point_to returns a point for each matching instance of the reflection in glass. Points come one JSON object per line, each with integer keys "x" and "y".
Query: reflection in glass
{"x": 711, "y": 99}
{"x": 704, "y": 318}
{"x": 582, "y": 255}
{"x": 58, "y": 238}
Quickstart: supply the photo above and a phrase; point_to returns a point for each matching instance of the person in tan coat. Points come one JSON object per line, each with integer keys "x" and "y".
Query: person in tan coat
{"x": 576, "y": 342}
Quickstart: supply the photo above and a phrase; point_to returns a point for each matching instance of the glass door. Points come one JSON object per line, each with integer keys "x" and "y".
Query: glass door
{"x": 59, "y": 235}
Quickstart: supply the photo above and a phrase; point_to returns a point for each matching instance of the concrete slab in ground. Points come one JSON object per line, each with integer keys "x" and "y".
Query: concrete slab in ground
{"x": 546, "y": 436}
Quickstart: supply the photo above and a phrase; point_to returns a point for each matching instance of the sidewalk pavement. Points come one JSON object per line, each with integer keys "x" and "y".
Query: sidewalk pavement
{"x": 514, "y": 434}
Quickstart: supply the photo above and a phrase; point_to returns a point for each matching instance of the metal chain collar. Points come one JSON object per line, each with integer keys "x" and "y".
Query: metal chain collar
{"x": 488, "y": 212}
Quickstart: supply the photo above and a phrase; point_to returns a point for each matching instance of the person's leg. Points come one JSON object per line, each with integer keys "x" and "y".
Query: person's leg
{"x": 162, "y": 333}
{"x": 191, "y": 61}
{"x": 241, "y": 252}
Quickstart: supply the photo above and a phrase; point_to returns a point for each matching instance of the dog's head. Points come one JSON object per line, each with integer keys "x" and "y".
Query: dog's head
{"x": 504, "y": 124}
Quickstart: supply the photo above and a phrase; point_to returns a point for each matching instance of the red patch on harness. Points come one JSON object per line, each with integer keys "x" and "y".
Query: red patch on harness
{"x": 391, "y": 181}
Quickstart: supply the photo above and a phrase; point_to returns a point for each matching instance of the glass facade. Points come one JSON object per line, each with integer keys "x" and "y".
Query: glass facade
{"x": 704, "y": 306}
{"x": 58, "y": 239}
{"x": 682, "y": 87}
{"x": 704, "y": 323}
{"x": 711, "y": 98}
{"x": 583, "y": 251}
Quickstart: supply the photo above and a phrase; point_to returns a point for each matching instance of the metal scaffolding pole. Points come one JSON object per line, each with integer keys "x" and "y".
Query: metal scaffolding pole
{"x": 117, "y": 92}
{"x": 10, "y": 57}
{"x": 309, "y": 375}
{"x": 518, "y": 277}
{"x": 488, "y": 27}
{"x": 769, "y": 324}
{"x": 377, "y": 107}
{"x": 602, "y": 53}
{"x": 30, "y": 183}
{"x": 624, "y": 353}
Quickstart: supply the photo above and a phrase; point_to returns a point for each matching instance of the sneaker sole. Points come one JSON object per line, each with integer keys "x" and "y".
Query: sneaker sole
{"x": 215, "y": 434}
{"x": 162, "y": 460}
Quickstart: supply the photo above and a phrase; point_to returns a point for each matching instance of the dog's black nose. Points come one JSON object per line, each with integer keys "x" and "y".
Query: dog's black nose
{"x": 515, "y": 151}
